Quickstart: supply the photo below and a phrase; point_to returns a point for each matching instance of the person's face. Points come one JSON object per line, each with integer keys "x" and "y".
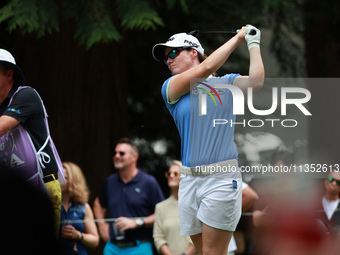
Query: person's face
{"x": 173, "y": 176}
{"x": 124, "y": 156}
{"x": 182, "y": 62}
{"x": 332, "y": 186}
{"x": 5, "y": 76}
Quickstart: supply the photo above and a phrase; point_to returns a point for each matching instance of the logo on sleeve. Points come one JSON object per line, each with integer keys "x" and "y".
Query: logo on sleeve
{"x": 13, "y": 110}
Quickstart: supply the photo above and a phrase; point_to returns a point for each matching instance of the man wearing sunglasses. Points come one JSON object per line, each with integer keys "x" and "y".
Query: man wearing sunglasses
{"x": 130, "y": 197}
{"x": 330, "y": 214}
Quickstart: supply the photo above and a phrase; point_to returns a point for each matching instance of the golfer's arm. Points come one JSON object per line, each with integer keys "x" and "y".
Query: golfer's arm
{"x": 7, "y": 123}
{"x": 179, "y": 85}
{"x": 256, "y": 75}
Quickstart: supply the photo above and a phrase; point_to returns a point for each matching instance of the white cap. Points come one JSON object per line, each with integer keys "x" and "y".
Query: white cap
{"x": 177, "y": 41}
{"x": 7, "y": 59}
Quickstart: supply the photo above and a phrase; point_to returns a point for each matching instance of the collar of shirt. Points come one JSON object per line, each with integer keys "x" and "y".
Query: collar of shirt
{"x": 133, "y": 180}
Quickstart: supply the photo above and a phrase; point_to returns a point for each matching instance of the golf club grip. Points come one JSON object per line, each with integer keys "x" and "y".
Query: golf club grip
{"x": 252, "y": 32}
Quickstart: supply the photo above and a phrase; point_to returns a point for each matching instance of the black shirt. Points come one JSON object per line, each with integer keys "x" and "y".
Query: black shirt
{"x": 27, "y": 108}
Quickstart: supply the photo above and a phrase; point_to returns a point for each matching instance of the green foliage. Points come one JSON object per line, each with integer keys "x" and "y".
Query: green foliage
{"x": 96, "y": 21}
{"x": 136, "y": 14}
{"x": 182, "y": 3}
{"x": 38, "y": 16}
{"x": 93, "y": 21}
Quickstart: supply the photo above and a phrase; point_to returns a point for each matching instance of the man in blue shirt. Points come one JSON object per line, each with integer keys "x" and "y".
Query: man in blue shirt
{"x": 130, "y": 196}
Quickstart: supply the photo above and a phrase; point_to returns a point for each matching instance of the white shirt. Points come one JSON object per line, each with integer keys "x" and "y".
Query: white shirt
{"x": 329, "y": 206}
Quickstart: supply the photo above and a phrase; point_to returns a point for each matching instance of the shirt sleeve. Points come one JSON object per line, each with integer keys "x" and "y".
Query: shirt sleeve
{"x": 231, "y": 77}
{"x": 158, "y": 231}
{"x": 164, "y": 92}
{"x": 25, "y": 104}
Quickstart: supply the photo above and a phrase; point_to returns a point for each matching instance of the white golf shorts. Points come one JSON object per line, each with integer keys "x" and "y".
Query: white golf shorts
{"x": 215, "y": 200}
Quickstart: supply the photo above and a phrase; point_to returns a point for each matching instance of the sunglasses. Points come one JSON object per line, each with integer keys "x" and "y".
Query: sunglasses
{"x": 168, "y": 174}
{"x": 173, "y": 53}
{"x": 121, "y": 153}
{"x": 331, "y": 179}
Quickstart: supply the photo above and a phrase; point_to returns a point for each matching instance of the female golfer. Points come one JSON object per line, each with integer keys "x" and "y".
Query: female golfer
{"x": 210, "y": 189}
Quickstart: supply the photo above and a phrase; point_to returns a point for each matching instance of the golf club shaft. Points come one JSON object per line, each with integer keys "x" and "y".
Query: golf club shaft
{"x": 220, "y": 32}
{"x": 196, "y": 32}
{"x": 232, "y": 31}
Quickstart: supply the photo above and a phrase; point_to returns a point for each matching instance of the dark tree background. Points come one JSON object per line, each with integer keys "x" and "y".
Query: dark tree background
{"x": 321, "y": 19}
{"x": 91, "y": 62}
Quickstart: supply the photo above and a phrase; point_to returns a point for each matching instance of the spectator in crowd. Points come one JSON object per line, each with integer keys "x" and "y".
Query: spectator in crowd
{"x": 76, "y": 236}
{"x": 129, "y": 196}
{"x": 166, "y": 227}
{"x": 330, "y": 213}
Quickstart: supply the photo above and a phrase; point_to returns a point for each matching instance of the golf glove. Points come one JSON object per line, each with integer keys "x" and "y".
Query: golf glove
{"x": 253, "y": 36}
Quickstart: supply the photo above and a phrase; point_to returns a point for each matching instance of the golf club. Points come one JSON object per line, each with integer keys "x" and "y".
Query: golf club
{"x": 232, "y": 31}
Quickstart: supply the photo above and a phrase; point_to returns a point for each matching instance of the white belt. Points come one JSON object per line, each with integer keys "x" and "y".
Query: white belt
{"x": 228, "y": 166}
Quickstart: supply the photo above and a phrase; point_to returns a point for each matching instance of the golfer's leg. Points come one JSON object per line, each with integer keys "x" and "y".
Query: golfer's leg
{"x": 215, "y": 241}
{"x": 197, "y": 240}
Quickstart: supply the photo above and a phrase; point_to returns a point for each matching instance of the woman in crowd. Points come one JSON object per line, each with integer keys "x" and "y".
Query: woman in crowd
{"x": 76, "y": 236}
{"x": 166, "y": 227}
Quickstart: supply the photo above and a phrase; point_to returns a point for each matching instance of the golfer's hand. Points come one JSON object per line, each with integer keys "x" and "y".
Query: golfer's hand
{"x": 241, "y": 34}
{"x": 253, "y": 37}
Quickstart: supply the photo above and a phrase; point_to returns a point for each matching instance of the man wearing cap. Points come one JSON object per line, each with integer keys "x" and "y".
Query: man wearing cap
{"x": 25, "y": 143}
